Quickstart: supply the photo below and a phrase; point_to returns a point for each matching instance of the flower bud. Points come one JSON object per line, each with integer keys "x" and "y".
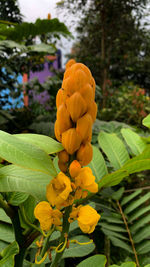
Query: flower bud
{"x": 63, "y": 119}
{"x": 76, "y": 106}
{"x": 71, "y": 140}
{"x": 84, "y": 154}
{"x": 74, "y": 168}
{"x": 63, "y": 156}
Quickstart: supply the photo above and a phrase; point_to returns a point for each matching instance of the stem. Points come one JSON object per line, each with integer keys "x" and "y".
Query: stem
{"x": 107, "y": 250}
{"x": 46, "y": 244}
{"x": 129, "y": 233}
{"x": 19, "y": 238}
{"x": 65, "y": 230}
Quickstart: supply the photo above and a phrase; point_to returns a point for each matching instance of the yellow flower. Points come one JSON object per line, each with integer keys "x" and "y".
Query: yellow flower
{"x": 47, "y": 216}
{"x": 58, "y": 190}
{"x": 87, "y": 219}
{"x": 86, "y": 180}
{"x": 86, "y": 216}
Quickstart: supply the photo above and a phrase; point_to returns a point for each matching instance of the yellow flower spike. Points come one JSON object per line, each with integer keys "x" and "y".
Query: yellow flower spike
{"x": 81, "y": 244}
{"x": 42, "y": 260}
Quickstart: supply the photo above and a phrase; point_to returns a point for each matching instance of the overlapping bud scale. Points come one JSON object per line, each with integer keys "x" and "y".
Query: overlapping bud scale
{"x": 76, "y": 112}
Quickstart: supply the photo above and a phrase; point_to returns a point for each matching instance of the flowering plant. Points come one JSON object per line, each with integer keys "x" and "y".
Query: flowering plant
{"x": 45, "y": 197}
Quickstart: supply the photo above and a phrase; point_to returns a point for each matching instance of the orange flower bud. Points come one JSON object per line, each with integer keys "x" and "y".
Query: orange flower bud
{"x": 84, "y": 127}
{"x": 85, "y": 154}
{"x": 59, "y": 98}
{"x": 80, "y": 66}
{"x": 92, "y": 110}
{"x": 87, "y": 94}
{"x": 76, "y": 106}
{"x": 57, "y": 132}
{"x": 63, "y": 156}
{"x": 62, "y": 166}
{"x": 74, "y": 168}
{"x": 69, "y": 85}
{"x": 71, "y": 141}
{"x": 70, "y": 63}
{"x": 63, "y": 118}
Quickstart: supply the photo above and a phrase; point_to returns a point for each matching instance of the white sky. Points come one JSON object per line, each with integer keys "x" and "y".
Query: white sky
{"x": 33, "y": 9}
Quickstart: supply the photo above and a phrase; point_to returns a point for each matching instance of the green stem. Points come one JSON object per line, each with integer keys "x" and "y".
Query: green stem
{"x": 46, "y": 244}
{"x": 26, "y": 220}
{"x": 19, "y": 238}
{"x": 65, "y": 230}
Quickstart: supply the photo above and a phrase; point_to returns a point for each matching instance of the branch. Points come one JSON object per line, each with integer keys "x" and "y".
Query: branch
{"x": 129, "y": 233}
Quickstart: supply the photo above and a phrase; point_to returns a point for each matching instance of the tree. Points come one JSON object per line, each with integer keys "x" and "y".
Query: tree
{"x": 112, "y": 40}
{"x": 9, "y": 11}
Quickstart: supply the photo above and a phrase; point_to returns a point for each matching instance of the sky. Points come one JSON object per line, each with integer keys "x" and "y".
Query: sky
{"x": 33, "y": 9}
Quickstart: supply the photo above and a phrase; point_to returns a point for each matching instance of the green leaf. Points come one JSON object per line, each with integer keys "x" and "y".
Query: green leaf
{"x": 115, "y": 234}
{"x": 126, "y": 199}
{"x": 143, "y": 247}
{"x": 112, "y": 227}
{"x": 146, "y": 121}
{"x": 98, "y": 165}
{"x": 114, "y": 148}
{"x": 15, "y": 178}
{"x": 16, "y": 198}
{"x": 140, "y": 223}
{"x": 43, "y": 48}
{"x": 29, "y": 206}
{"x": 112, "y": 178}
{"x": 24, "y": 154}
{"x": 4, "y": 217}
{"x": 120, "y": 243}
{"x": 46, "y": 143}
{"x": 138, "y": 163}
{"x": 134, "y": 141}
{"x": 6, "y": 233}
{"x": 118, "y": 194}
{"x": 8, "y": 254}
{"x": 76, "y": 250}
{"x": 142, "y": 234}
{"x": 136, "y": 203}
{"x": 126, "y": 264}
{"x": 94, "y": 261}
{"x": 138, "y": 213}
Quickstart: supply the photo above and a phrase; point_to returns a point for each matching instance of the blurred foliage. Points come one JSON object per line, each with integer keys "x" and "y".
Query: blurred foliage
{"x": 127, "y": 103}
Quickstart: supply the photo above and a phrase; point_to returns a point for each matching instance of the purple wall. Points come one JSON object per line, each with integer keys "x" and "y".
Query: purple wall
{"x": 42, "y": 75}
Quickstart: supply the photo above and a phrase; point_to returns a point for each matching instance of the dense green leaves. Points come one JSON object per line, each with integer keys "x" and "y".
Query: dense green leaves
{"x": 25, "y": 30}
{"x": 24, "y": 154}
